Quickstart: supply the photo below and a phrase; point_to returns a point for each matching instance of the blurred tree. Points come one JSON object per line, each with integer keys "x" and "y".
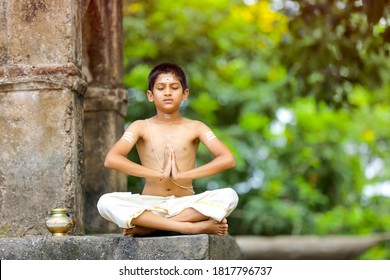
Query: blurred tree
{"x": 333, "y": 45}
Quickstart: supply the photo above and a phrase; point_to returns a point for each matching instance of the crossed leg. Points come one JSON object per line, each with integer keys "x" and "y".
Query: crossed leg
{"x": 188, "y": 221}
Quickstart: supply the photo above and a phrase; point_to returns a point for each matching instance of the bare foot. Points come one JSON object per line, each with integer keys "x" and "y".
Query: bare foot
{"x": 137, "y": 231}
{"x": 211, "y": 227}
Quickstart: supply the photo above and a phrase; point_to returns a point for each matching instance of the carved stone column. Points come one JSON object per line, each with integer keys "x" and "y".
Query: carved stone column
{"x": 105, "y": 104}
{"x": 41, "y": 114}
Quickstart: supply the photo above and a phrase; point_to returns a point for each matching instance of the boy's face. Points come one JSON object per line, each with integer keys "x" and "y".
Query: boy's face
{"x": 167, "y": 93}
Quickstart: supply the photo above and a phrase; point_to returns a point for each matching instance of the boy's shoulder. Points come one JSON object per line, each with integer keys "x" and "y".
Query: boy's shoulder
{"x": 137, "y": 123}
{"x": 194, "y": 123}
{"x": 191, "y": 123}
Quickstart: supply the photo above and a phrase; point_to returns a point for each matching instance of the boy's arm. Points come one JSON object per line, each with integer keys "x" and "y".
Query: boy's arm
{"x": 223, "y": 157}
{"x": 117, "y": 159}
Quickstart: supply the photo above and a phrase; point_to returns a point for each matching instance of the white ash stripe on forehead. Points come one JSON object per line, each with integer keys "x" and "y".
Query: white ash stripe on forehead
{"x": 166, "y": 80}
{"x": 210, "y": 135}
{"x": 128, "y": 136}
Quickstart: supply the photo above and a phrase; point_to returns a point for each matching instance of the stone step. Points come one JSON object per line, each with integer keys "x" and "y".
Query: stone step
{"x": 118, "y": 247}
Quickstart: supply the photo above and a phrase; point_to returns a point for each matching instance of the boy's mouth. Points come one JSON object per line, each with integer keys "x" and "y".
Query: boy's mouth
{"x": 168, "y": 100}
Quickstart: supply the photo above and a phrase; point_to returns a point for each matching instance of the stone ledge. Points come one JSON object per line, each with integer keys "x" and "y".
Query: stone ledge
{"x": 27, "y": 77}
{"x": 307, "y": 247}
{"x": 117, "y": 247}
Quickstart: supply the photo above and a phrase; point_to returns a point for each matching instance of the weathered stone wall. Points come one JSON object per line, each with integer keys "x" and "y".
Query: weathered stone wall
{"x": 41, "y": 114}
{"x": 105, "y": 103}
{"x": 55, "y": 133}
{"x": 103, "y": 126}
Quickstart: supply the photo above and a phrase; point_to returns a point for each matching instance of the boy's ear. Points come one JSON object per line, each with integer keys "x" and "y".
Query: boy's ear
{"x": 150, "y": 95}
{"x": 186, "y": 92}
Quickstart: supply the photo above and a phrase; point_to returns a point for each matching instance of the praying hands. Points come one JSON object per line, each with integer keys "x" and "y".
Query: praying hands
{"x": 170, "y": 168}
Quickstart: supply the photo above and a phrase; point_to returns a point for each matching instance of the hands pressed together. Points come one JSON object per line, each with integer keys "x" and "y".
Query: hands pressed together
{"x": 170, "y": 168}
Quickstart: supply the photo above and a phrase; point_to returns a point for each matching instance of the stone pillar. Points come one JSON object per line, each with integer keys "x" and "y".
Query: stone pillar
{"x": 41, "y": 114}
{"x": 105, "y": 104}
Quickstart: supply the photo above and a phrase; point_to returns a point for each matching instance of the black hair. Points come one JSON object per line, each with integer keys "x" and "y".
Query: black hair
{"x": 167, "y": 68}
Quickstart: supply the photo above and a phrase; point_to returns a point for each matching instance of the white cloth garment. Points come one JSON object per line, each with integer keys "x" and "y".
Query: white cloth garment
{"x": 121, "y": 207}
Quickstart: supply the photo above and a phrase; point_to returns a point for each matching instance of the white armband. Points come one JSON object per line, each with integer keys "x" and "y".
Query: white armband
{"x": 128, "y": 136}
{"x": 210, "y": 136}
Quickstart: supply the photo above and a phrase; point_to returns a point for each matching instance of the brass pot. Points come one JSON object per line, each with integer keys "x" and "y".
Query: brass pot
{"x": 59, "y": 222}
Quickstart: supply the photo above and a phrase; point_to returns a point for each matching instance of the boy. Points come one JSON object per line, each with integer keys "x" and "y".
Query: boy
{"x": 167, "y": 144}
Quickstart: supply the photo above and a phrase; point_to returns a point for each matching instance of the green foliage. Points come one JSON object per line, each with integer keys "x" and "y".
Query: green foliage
{"x": 301, "y": 96}
{"x": 334, "y": 45}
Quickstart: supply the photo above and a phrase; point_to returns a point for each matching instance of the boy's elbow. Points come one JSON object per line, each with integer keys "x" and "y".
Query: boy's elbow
{"x": 107, "y": 162}
{"x": 232, "y": 162}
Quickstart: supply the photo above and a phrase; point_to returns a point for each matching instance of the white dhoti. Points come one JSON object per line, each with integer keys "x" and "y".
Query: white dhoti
{"x": 121, "y": 207}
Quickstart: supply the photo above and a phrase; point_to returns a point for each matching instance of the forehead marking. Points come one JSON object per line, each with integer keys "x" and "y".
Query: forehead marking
{"x": 166, "y": 80}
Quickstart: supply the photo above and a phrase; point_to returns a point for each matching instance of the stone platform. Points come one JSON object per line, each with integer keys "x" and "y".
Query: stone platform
{"x": 118, "y": 247}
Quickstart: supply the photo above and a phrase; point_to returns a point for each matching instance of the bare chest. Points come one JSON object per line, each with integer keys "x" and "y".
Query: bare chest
{"x": 156, "y": 138}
